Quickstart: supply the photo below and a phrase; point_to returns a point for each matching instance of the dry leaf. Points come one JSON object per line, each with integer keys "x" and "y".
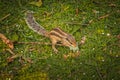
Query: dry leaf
{"x": 38, "y": 3}
{"x": 118, "y": 11}
{"x": 29, "y": 60}
{"x": 118, "y": 36}
{"x": 77, "y": 54}
{"x": 112, "y": 5}
{"x": 71, "y": 55}
{"x": 9, "y": 59}
{"x": 90, "y": 21}
{"x": 65, "y": 56}
{"x": 6, "y": 41}
{"x": 83, "y": 40}
{"x": 74, "y": 55}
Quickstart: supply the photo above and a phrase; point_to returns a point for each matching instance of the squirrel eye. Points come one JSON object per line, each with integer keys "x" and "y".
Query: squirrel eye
{"x": 68, "y": 40}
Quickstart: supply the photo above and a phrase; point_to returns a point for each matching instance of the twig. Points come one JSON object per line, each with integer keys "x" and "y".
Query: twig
{"x": 6, "y": 41}
{"x": 74, "y": 23}
{"x": 27, "y": 59}
{"x": 77, "y": 11}
{"x": 42, "y": 43}
{"x": 14, "y": 56}
{"x": 99, "y": 73}
{"x": 5, "y": 17}
{"x": 10, "y": 59}
{"x": 10, "y": 51}
{"x": 102, "y": 17}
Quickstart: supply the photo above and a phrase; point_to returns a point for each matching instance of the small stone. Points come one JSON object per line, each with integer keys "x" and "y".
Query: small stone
{"x": 72, "y": 18}
{"x": 108, "y": 34}
{"x": 103, "y": 33}
{"x": 84, "y": 73}
{"x": 116, "y": 55}
{"x": 93, "y": 76}
{"x": 103, "y": 60}
{"x": 93, "y": 48}
{"x": 81, "y": 63}
{"x": 51, "y": 54}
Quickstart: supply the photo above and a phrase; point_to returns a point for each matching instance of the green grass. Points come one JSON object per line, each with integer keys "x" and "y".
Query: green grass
{"x": 99, "y": 56}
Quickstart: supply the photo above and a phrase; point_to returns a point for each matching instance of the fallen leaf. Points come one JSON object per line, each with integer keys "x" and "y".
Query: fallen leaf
{"x": 9, "y": 59}
{"x": 118, "y": 36}
{"x": 90, "y": 21}
{"x": 77, "y": 54}
{"x": 6, "y": 41}
{"x": 118, "y": 11}
{"x": 65, "y": 8}
{"x": 38, "y": 3}
{"x": 112, "y": 5}
{"x": 65, "y": 56}
{"x": 83, "y": 40}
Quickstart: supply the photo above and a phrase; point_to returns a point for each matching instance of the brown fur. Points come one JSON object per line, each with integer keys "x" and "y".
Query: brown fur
{"x": 55, "y": 35}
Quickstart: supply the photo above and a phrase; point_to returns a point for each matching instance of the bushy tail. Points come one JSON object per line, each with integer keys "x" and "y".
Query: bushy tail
{"x": 34, "y": 25}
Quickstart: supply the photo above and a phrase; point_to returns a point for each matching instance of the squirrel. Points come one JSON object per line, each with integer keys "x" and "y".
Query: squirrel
{"x": 55, "y": 35}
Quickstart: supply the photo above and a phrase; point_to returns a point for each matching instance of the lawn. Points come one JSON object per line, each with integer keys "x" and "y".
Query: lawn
{"x": 96, "y": 20}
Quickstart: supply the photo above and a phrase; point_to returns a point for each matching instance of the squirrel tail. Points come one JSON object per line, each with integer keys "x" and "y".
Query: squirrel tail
{"x": 34, "y": 25}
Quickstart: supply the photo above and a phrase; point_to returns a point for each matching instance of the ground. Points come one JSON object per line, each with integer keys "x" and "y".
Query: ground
{"x": 99, "y": 56}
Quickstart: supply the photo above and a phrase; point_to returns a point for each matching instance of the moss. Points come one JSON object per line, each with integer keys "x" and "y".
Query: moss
{"x": 99, "y": 56}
